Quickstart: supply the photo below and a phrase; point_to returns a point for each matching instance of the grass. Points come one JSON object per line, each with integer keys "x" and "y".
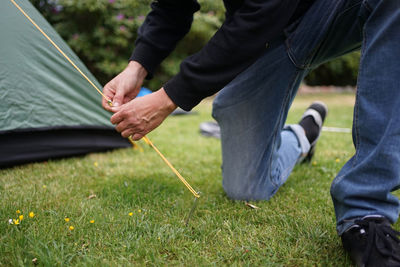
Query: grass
{"x": 295, "y": 228}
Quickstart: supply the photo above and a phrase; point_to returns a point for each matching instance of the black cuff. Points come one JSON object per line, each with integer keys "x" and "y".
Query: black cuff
{"x": 149, "y": 57}
{"x": 180, "y": 93}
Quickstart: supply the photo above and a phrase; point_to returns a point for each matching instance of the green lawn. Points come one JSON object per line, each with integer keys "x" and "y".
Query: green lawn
{"x": 295, "y": 228}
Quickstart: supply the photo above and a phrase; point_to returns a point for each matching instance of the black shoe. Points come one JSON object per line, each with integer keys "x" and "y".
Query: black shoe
{"x": 312, "y": 121}
{"x": 371, "y": 242}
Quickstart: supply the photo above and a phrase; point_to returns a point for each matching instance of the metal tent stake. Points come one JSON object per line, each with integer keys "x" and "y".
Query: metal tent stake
{"x": 196, "y": 200}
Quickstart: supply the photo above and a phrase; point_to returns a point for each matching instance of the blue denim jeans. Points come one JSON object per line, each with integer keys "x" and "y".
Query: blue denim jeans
{"x": 259, "y": 153}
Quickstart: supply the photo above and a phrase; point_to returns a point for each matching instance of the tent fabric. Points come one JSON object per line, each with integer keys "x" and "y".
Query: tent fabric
{"x": 43, "y": 95}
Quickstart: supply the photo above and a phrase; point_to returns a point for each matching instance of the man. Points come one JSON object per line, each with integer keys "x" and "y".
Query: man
{"x": 259, "y": 56}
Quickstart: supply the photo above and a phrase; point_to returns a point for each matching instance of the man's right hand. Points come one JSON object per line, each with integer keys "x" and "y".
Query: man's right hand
{"x": 125, "y": 86}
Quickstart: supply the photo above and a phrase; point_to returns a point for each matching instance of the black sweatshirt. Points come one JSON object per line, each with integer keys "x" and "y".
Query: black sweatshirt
{"x": 248, "y": 28}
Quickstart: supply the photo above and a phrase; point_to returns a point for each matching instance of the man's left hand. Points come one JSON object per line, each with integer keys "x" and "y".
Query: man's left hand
{"x": 142, "y": 115}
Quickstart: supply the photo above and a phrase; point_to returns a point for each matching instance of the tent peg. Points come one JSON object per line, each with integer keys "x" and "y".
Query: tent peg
{"x": 195, "y": 202}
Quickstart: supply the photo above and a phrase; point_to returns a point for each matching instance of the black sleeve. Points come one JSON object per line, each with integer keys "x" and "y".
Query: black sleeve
{"x": 163, "y": 27}
{"x": 236, "y": 45}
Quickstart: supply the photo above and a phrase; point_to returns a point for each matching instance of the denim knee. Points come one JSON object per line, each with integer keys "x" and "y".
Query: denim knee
{"x": 215, "y": 108}
{"x": 247, "y": 195}
{"x": 225, "y": 99}
{"x": 248, "y": 190}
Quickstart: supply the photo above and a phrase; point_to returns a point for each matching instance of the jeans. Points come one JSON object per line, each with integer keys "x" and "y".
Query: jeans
{"x": 259, "y": 153}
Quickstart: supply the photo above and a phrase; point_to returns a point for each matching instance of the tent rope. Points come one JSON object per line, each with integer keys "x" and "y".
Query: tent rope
{"x": 147, "y": 140}
{"x": 196, "y": 194}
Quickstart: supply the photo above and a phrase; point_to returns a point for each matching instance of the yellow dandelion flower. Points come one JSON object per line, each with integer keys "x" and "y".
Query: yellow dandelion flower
{"x": 96, "y": 164}
{"x": 31, "y": 214}
{"x": 139, "y": 211}
{"x": 16, "y": 221}
{"x": 21, "y": 217}
{"x": 158, "y": 238}
{"x": 66, "y": 219}
{"x": 44, "y": 186}
{"x": 71, "y": 228}
{"x": 18, "y": 211}
{"x": 130, "y": 213}
{"x": 337, "y": 160}
{"x": 314, "y": 163}
{"x": 91, "y": 221}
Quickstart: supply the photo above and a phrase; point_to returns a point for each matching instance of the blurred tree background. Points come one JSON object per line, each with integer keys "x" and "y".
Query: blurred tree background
{"x": 102, "y": 33}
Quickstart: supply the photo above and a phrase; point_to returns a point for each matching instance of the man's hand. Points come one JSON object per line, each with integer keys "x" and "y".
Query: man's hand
{"x": 125, "y": 86}
{"x": 141, "y": 115}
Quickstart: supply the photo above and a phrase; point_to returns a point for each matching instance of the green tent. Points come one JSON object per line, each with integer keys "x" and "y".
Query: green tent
{"x": 47, "y": 110}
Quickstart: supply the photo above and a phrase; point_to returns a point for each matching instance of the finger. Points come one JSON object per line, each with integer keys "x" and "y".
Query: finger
{"x": 117, "y": 117}
{"x": 127, "y": 133}
{"x": 115, "y": 109}
{"x": 118, "y": 98}
{"x": 105, "y": 104}
{"x": 119, "y": 108}
{"x": 137, "y": 136}
{"x": 109, "y": 94}
{"x": 120, "y": 127}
